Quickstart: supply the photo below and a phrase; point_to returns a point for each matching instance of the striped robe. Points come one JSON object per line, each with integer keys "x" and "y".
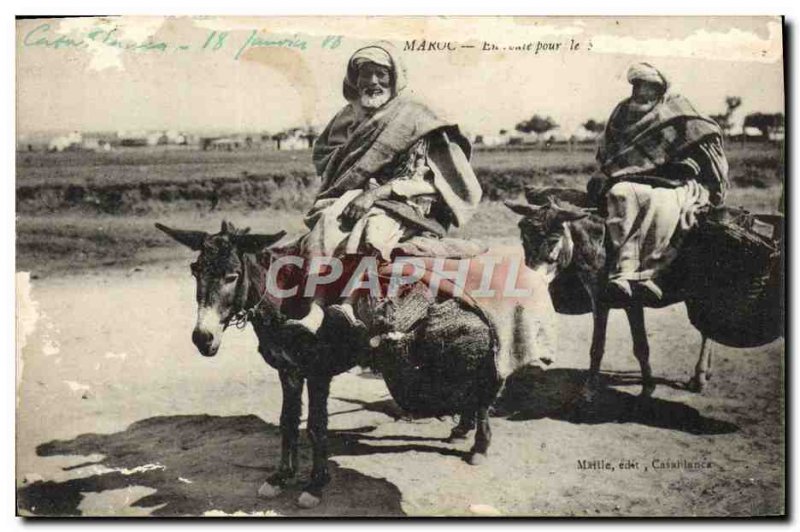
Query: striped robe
{"x": 665, "y": 166}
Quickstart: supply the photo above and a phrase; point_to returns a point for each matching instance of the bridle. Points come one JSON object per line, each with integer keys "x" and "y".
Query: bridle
{"x": 560, "y": 255}
{"x": 565, "y": 252}
{"x": 241, "y": 317}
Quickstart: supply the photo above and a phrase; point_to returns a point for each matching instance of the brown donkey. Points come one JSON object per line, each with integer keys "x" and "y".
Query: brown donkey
{"x": 568, "y": 240}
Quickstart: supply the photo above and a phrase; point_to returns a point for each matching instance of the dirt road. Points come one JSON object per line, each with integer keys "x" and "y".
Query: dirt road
{"x": 118, "y": 414}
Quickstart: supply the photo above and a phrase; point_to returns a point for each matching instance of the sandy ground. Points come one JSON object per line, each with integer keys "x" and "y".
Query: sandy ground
{"x": 119, "y": 415}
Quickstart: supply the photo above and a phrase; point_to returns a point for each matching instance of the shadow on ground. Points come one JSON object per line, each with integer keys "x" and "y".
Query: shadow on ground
{"x": 218, "y": 463}
{"x": 556, "y": 394}
{"x": 224, "y": 460}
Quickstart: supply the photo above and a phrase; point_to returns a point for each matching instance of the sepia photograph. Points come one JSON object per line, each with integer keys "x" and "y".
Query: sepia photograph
{"x": 384, "y": 266}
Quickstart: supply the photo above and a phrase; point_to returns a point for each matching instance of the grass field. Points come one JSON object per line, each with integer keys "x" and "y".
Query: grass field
{"x": 82, "y": 210}
{"x": 107, "y": 368}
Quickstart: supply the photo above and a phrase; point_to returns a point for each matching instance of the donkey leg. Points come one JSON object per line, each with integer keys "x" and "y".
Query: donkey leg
{"x": 641, "y": 349}
{"x": 600, "y": 318}
{"x": 483, "y": 437}
{"x": 702, "y": 371}
{"x": 318, "y": 390}
{"x": 466, "y": 423}
{"x": 710, "y": 366}
{"x": 292, "y": 386}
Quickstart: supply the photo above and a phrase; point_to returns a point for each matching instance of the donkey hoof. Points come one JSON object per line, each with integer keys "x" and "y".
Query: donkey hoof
{"x": 268, "y": 491}
{"x": 476, "y": 459}
{"x": 308, "y": 501}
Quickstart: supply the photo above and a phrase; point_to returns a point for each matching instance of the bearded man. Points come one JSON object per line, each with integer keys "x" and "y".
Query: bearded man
{"x": 391, "y": 169}
{"x": 663, "y": 161}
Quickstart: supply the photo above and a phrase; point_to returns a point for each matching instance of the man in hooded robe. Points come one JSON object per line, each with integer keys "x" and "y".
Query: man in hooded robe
{"x": 391, "y": 169}
{"x": 664, "y": 160}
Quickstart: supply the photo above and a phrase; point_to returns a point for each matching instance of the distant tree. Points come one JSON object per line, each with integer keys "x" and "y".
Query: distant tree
{"x": 279, "y": 138}
{"x": 311, "y": 135}
{"x": 765, "y": 122}
{"x": 537, "y": 124}
{"x": 724, "y": 120}
{"x": 594, "y": 126}
{"x": 732, "y": 102}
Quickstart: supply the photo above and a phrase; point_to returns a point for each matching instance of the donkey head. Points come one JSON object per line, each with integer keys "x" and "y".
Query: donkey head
{"x": 221, "y": 277}
{"x": 545, "y": 235}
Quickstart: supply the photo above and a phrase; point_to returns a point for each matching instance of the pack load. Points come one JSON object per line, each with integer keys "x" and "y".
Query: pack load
{"x": 735, "y": 285}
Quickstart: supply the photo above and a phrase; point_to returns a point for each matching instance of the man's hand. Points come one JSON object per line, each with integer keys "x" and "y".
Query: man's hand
{"x": 359, "y": 207}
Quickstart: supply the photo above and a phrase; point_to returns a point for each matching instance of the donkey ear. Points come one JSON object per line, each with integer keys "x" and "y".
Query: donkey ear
{"x": 255, "y": 243}
{"x": 519, "y": 207}
{"x": 568, "y": 214}
{"x": 191, "y": 239}
{"x": 535, "y": 195}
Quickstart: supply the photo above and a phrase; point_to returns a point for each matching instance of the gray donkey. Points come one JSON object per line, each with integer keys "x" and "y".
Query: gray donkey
{"x": 445, "y": 366}
{"x": 566, "y": 238}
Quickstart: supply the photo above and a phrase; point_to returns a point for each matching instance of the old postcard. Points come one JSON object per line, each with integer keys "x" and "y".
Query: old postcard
{"x": 400, "y": 267}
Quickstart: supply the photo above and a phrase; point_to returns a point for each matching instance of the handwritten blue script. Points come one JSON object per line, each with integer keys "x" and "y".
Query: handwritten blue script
{"x": 215, "y": 41}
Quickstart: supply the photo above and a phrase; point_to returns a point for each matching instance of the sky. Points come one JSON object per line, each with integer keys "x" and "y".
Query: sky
{"x": 200, "y": 74}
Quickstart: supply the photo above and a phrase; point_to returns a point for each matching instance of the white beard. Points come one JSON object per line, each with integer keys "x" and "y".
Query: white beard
{"x": 375, "y": 101}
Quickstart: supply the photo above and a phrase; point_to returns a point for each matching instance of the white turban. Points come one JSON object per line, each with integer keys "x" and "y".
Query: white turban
{"x": 646, "y": 72}
{"x": 381, "y": 53}
{"x": 372, "y": 54}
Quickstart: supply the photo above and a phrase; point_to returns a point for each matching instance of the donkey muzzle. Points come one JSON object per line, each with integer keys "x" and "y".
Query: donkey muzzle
{"x": 204, "y": 341}
{"x": 207, "y": 334}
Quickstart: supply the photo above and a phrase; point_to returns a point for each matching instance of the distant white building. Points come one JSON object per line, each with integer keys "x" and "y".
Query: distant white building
{"x": 225, "y": 144}
{"x": 751, "y": 131}
{"x": 500, "y": 139}
{"x": 581, "y": 134}
{"x": 530, "y": 137}
{"x": 65, "y": 142}
{"x": 175, "y": 137}
{"x": 294, "y": 139}
{"x": 294, "y": 143}
{"x": 494, "y": 140}
{"x": 95, "y": 144}
{"x": 777, "y": 134}
{"x": 156, "y": 138}
{"x": 554, "y": 135}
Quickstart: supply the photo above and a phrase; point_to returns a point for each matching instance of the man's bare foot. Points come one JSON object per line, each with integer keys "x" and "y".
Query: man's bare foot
{"x": 311, "y": 322}
{"x": 653, "y": 288}
{"x": 346, "y": 312}
{"x": 621, "y": 286}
